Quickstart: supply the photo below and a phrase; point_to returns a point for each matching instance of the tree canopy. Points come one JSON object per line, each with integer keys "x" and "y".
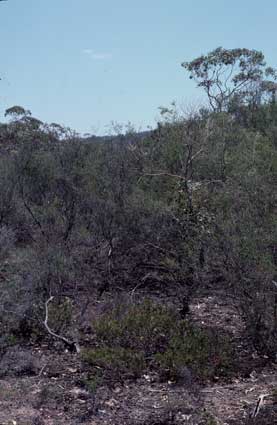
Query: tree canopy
{"x": 225, "y": 73}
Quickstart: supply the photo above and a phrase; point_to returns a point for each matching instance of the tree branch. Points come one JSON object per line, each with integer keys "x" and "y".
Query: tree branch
{"x": 72, "y": 345}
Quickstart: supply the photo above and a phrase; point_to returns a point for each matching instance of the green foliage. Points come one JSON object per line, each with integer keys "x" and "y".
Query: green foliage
{"x": 61, "y": 315}
{"x": 16, "y": 112}
{"x": 225, "y": 73}
{"x": 209, "y": 419}
{"x": 93, "y": 382}
{"x": 205, "y": 353}
{"x": 149, "y": 335}
{"x": 172, "y": 210}
{"x": 117, "y": 363}
{"x": 145, "y": 327}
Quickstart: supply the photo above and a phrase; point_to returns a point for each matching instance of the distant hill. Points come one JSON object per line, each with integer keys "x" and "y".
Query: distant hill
{"x": 130, "y": 137}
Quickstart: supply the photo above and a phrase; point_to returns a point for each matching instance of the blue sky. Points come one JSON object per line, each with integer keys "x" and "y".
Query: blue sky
{"x": 85, "y": 63}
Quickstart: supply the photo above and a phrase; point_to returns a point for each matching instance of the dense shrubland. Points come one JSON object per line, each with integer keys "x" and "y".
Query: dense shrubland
{"x": 187, "y": 206}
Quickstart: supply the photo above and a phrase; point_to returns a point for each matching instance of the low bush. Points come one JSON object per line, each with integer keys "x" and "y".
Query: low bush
{"x": 115, "y": 363}
{"x": 204, "y": 352}
{"x": 145, "y": 327}
{"x": 153, "y": 337}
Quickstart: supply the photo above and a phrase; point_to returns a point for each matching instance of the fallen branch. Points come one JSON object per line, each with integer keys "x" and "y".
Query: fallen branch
{"x": 72, "y": 345}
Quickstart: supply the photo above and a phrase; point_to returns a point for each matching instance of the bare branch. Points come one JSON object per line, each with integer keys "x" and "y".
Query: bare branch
{"x": 71, "y": 344}
{"x": 259, "y": 405}
{"x": 162, "y": 173}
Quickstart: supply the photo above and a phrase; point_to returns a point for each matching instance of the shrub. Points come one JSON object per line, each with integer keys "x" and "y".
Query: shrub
{"x": 149, "y": 335}
{"x": 204, "y": 352}
{"x": 146, "y": 327}
{"x": 19, "y": 362}
{"x": 115, "y": 363}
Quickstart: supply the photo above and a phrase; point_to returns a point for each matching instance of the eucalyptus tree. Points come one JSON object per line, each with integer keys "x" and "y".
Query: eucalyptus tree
{"x": 228, "y": 73}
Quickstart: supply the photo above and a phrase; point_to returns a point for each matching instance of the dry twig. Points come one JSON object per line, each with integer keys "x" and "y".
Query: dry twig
{"x": 71, "y": 344}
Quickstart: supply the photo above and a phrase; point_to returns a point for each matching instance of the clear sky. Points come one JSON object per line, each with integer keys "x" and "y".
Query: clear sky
{"x": 85, "y": 63}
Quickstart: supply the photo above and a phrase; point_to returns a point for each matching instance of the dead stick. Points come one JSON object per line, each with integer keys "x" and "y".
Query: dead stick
{"x": 70, "y": 344}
